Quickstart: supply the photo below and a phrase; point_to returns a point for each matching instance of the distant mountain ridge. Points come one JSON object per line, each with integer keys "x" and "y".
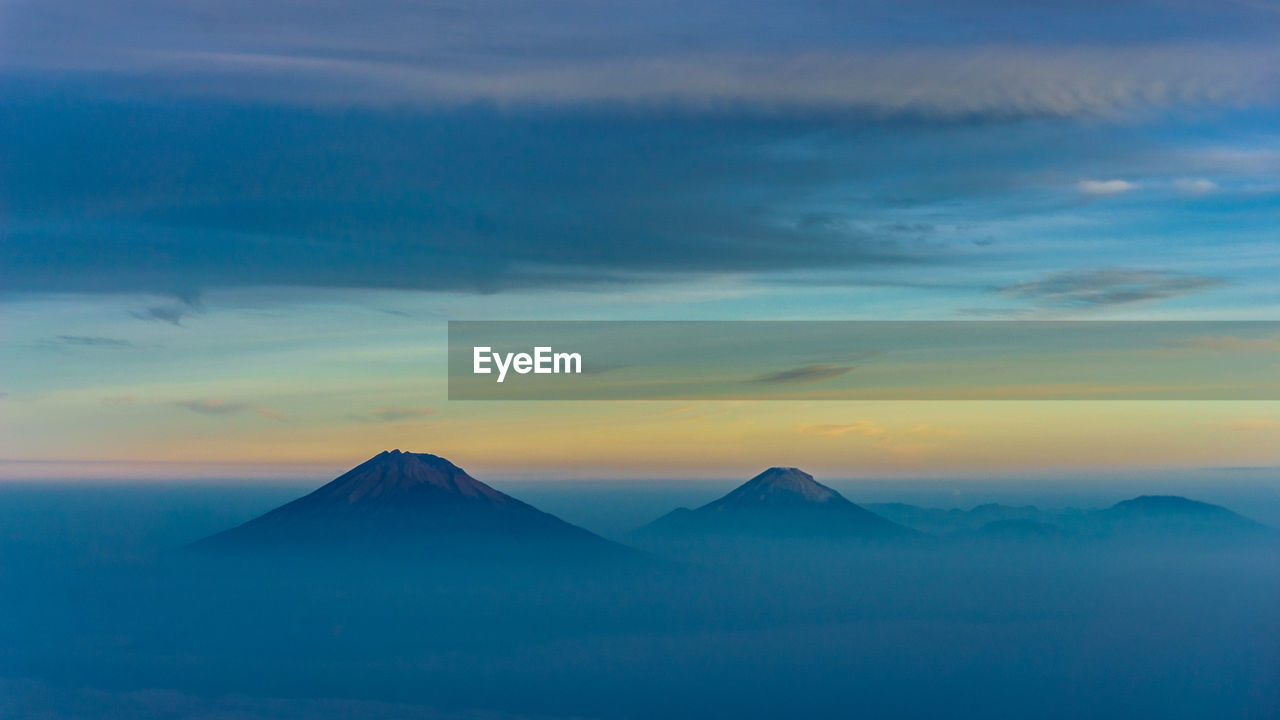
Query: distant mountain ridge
{"x": 1154, "y": 514}
{"x": 411, "y": 503}
{"x": 402, "y": 503}
{"x": 781, "y": 502}
{"x": 1143, "y": 516}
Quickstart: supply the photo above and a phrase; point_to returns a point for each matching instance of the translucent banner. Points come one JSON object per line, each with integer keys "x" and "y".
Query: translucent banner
{"x": 864, "y": 360}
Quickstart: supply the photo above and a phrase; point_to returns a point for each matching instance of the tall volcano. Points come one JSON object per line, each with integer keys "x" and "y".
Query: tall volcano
{"x": 411, "y": 503}
{"x": 783, "y": 502}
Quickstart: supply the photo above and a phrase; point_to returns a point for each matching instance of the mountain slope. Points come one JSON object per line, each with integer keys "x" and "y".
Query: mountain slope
{"x": 1167, "y": 517}
{"x": 781, "y": 502}
{"x": 944, "y": 522}
{"x": 415, "y": 503}
{"x": 1172, "y": 515}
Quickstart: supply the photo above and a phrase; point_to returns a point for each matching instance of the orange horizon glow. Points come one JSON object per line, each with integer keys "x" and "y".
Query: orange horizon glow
{"x": 712, "y": 439}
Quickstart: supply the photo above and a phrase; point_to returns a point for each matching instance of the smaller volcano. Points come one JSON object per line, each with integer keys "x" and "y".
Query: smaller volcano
{"x": 778, "y": 487}
{"x": 779, "y": 502}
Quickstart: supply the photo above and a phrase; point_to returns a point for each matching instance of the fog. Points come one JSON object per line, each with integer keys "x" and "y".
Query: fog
{"x": 105, "y": 614}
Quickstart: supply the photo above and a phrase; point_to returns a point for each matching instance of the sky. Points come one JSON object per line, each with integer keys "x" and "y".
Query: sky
{"x": 234, "y": 232}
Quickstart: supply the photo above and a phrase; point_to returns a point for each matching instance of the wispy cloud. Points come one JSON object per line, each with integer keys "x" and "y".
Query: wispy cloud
{"x": 1105, "y": 187}
{"x": 220, "y": 407}
{"x": 626, "y": 52}
{"x": 1002, "y": 80}
{"x": 92, "y": 341}
{"x": 485, "y": 217}
{"x": 119, "y": 400}
{"x": 806, "y": 374}
{"x": 1004, "y": 313}
{"x": 916, "y": 435}
{"x": 169, "y": 312}
{"x": 1105, "y": 287}
{"x": 1195, "y": 186}
{"x": 213, "y": 406}
{"x": 799, "y": 170}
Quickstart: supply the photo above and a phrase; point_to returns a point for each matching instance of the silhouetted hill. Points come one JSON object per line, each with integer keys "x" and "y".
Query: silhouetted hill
{"x": 781, "y": 501}
{"x": 944, "y": 522}
{"x": 412, "y": 503}
{"x": 1153, "y": 516}
{"x": 1171, "y": 515}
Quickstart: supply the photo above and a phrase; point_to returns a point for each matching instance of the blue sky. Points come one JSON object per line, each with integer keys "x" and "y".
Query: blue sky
{"x": 206, "y": 200}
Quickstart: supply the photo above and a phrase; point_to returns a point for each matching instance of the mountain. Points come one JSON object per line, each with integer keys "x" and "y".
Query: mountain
{"x": 411, "y": 503}
{"x": 1017, "y": 530}
{"x": 944, "y": 522}
{"x": 779, "y": 502}
{"x": 1171, "y": 515}
{"x": 1167, "y": 517}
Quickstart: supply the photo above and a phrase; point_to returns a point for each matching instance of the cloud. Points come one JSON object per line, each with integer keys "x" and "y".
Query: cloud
{"x": 915, "y": 435}
{"x": 171, "y": 313}
{"x": 118, "y": 400}
{"x": 1105, "y": 187}
{"x": 956, "y": 82}
{"x": 1248, "y": 158}
{"x": 862, "y": 427}
{"x": 395, "y": 413}
{"x": 806, "y": 374}
{"x": 1195, "y": 186}
{"x": 213, "y": 406}
{"x": 1106, "y": 287}
{"x": 555, "y": 164}
{"x": 907, "y": 57}
{"x": 93, "y": 341}
{"x": 564, "y": 201}
{"x": 218, "y": 407}
{"x": 1004, "y": 313}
